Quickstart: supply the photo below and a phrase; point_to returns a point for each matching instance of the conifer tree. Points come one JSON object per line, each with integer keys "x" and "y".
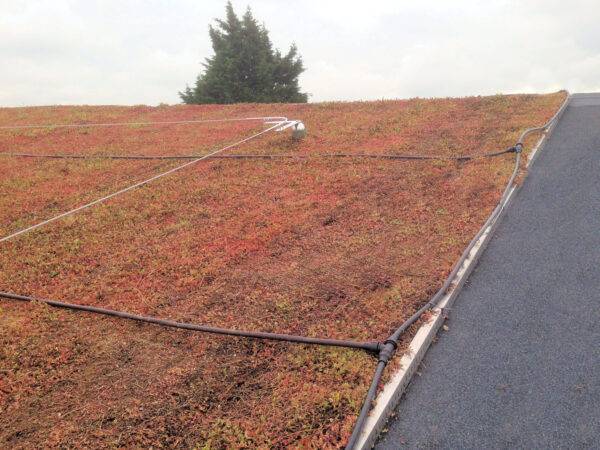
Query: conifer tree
{"x": 245, "y": 68}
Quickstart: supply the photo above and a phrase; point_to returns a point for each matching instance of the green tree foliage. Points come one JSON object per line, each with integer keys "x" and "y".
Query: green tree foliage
{"x": 245, "y": 68}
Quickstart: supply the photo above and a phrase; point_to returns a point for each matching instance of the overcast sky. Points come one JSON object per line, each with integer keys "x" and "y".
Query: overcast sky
{"x": 144, "y": 52}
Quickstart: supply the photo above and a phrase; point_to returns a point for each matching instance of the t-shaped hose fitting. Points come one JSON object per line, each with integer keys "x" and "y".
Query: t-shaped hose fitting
{"x": 387, "y": 351}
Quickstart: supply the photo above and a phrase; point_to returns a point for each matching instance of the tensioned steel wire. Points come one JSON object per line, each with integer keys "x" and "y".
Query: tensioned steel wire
{"x": 385, "y": 350}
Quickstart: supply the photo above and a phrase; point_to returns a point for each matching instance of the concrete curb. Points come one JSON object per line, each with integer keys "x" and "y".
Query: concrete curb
{"x": 390, "y": 395}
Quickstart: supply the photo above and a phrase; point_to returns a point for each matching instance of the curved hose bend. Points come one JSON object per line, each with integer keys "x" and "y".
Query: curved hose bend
{"x": 395, "y": 336}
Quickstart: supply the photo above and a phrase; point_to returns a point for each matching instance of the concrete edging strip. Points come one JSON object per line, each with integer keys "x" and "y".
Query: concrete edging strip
{"x": 389, "y": 397}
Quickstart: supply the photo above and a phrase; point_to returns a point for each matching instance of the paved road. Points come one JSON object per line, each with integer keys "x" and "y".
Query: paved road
{"x": 520, "y": 364}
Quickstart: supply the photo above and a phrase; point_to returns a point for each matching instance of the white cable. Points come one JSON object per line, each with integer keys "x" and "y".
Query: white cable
{"x": 176, "y": 122}
{"x": 136, "y": 185}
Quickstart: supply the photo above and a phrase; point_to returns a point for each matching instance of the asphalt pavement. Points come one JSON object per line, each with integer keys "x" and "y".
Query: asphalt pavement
{"x": 519, "y": 366}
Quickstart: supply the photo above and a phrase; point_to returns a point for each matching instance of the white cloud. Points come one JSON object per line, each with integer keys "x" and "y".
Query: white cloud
{"x": 129, "y": 52}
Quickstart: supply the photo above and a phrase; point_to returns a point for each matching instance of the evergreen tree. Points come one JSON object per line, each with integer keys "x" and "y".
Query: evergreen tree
{"x": 245, "y": 68}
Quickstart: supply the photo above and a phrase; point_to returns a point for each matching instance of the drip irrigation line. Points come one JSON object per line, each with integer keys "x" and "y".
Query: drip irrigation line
{"x": 384, "y": 350}
{"x": 465, "y": 254}
{"x": 367, "y": 404}
{"x": 391, "y": 344}
{"x": 164, "y": 122}
{"x": 548, "y": 125}
{"x": 372, "y": 347}
{"x": 135, "y": 186}
{"x": 388, "y": 156}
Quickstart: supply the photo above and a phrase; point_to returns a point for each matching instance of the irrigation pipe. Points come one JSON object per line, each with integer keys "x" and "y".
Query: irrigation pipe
{"x": 387, "y": 156}
{"x": 391, "y": 344}
{"x": 374, "y": 347}
{"x": 368, "y": 346}
{"x": 385, "y": 350}
{"x": 135, "y": 186}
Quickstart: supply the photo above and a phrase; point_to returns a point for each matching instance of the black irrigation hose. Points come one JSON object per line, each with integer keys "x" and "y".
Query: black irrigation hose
{"x": 67, "y": 156}
{"x": 373, "y": 347}
{"x": 390, "y": 345}
{"x": 388, "y": 156}
{"x": 384, "y": 350}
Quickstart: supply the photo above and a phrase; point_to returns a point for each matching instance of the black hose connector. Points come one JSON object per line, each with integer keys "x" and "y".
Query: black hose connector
{"x": 387, "y": 351}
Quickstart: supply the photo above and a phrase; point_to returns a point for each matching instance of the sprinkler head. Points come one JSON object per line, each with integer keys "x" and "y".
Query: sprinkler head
{"x": 299, "y": 131}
